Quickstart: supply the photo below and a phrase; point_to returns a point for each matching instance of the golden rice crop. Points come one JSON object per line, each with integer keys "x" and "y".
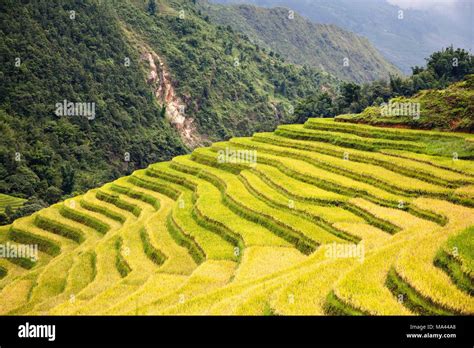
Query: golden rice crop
{"x": 301, "y": 231}
{"x": 460, "y": 165}
{"x": 364, "y": 289}
{"x": 209, "y": 303}
{"x": 372, "y": 236}
{"x": 16, "y": 293}
{"x": 210, "y": 205}
{"x": 157, "y": 285}
{"x": 306, "y": 295}
{"x": 286, "y": 198}
{"x": 208, "y": 276}
{"x": 106, "y": 274}
{"x": 396, "y": 163}
{"x": 52, "y": 280}
{"x": 325, "y": 179}
{"x": 415, "y": 264}
{"x": 397, "y": 217}
{"x": 214, "y": 246}
{"x": 380, "y": 176}
{"x": 260, "y": 261}
{"x": 178, "y": 259}
{"x": 296, "y": 188}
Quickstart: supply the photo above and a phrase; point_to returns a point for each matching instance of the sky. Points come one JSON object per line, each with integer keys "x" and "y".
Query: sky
{"x": 427, "y": 4}
{"x": 457, "y": 11}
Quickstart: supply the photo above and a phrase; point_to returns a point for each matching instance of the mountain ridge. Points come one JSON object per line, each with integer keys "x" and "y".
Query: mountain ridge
{"x": 325, "y": 46}
{"x": 405, "y": 36}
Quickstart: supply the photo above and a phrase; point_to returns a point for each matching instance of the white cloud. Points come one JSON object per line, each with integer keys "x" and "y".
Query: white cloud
{"x": 425, "y": 4}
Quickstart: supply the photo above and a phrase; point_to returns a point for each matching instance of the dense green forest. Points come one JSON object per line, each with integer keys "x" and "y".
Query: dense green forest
{"x": 442, "y": 69}
{"x": 444, "y": 109}
{"x": 230, "y": 85}
{"x": 341, "y": 53}
{"x": 83, "y": 52}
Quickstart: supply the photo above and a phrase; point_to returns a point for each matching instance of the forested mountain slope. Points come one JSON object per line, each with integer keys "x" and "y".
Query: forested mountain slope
{"x": 337, "y": 51}
{"x": 405, "y": 36}
{"x": 159, "y": 82}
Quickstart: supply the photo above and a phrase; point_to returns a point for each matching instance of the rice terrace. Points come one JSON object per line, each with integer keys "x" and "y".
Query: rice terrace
{"x": 328, "y": 218}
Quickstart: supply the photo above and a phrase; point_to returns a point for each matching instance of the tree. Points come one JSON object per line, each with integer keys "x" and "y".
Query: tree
{"x": 282, "y": 89}
{"x": 3, "y": 219}
{"x": 68, "y": 176}
{"x": 350, "y": 92}
{"x": 349, "y": 98}
{"x": 205, "y": 92}
{"x": 318, "y": 105}
{"x": 450, "y": 64}
{"x": 24, "y": 181}
{"x": 163, "y": 111}
{"x": 415, "y": 70}
{"x": 52, "y": 195}
{"x": 151, "y": 7}
{"x": 8, "y": 210}
{"x": 228, "y": 48}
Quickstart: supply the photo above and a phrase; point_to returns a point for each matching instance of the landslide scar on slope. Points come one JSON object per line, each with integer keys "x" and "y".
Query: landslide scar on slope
{"x": 159, "y": 78}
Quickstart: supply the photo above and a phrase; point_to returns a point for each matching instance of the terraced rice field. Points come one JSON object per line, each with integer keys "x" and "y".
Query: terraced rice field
{"x": 13, "y": 202}
{"x": 325, "y": 218}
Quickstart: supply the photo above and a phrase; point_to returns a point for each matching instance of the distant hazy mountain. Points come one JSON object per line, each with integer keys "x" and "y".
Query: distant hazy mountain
{"x": 405, "y": 41}
{"x": 327, "y": 47}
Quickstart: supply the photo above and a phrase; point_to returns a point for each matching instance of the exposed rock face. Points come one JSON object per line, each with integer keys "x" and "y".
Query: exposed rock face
{"x": 159, "y": 78}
